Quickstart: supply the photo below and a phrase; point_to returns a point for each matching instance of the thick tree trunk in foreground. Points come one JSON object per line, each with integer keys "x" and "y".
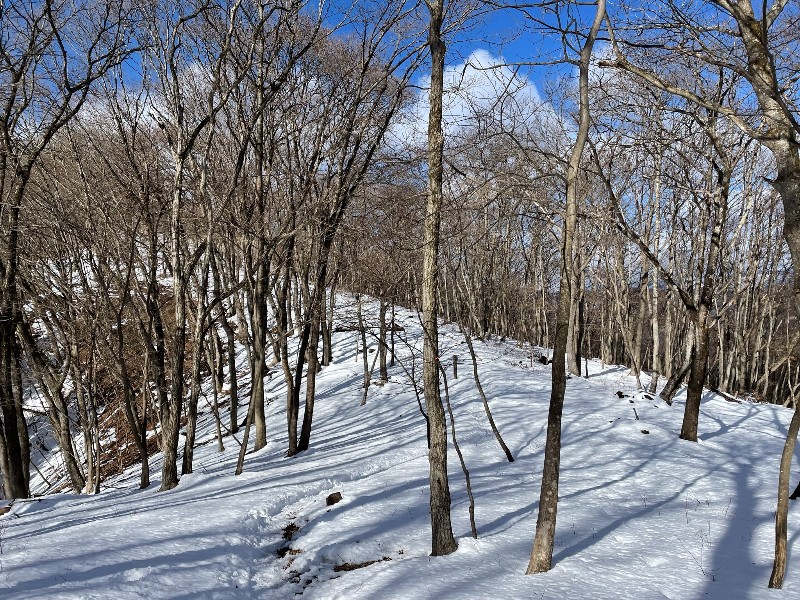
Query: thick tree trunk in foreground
{"x": 783, "y": 143}
{"x": 779, "y": 564}
{"x": 788, "y": 185}
{"x": 442, "y": 541}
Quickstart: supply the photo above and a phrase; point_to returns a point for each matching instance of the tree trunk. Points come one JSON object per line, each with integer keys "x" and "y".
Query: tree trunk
{"x": 57, "y": 410}
{"x": 83, "y": 411}
{"x": 214, "y": 358}
{"x": 787, "y": 184}
{"x": 677, "y": 376}
{"x": 442, "y": 540}
{"x": 12, "y": 450}
{"x": 496, "y": 431}
{"x": 198, "y": 343}
{"x": 697, "y": 377}
{"x": 230, "y": 335}
{"x": 171, "y": 413}
{"x": 391, "y": 350}
{"x": 719, "y": 209}
{"x": 259, "y": 326}
{"x": 464, "y": 469}
{"x": 782, "y": 510}
{"x": 311, "y": 385}
{"x": 542, "y": 552}
{"x": 574, "y": 333}
{"x": 382, "y": 348}
{"x": 364, "y": 355}
{"x": 327, "y": 323}
{"x": 157, "y": 342}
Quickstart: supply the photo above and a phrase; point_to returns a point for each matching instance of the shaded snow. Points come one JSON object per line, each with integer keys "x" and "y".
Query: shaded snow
{"x": 640, "y": 515}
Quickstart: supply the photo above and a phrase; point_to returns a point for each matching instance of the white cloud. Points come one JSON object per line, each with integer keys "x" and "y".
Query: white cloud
{"x": 480, "y": 90}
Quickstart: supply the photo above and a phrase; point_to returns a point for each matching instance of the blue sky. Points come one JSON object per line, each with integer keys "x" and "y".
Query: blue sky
{"x": 506, "y": 33}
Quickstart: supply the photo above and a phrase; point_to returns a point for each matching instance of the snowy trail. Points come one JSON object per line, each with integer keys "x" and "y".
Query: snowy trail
{"x": 641, "y": 515}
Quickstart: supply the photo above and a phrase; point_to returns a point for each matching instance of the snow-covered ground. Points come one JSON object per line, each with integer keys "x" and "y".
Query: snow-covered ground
{"x": 641, "y": 513}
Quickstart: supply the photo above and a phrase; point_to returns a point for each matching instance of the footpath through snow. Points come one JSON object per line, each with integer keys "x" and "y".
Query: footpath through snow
{"x": 641, "y": 513}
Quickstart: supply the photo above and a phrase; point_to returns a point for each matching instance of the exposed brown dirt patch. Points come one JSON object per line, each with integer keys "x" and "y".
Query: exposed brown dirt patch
{"x": 354, "y": 566}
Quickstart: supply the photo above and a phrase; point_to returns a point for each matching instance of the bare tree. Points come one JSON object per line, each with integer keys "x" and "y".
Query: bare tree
{"x": 755, "y": 34}
{"x": 542, "y": 552}
{"x": 50, "y": 55}
{"x": 443, "y": 541}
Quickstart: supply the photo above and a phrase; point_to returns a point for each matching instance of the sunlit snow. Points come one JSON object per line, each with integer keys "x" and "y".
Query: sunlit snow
{"x": 642, "y": 514}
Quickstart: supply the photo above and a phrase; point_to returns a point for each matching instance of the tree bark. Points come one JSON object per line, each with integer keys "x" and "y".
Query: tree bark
{"x": 311, "y": 382}
{"x": 442, "y": 540}
{"x": 230, "y": 352}
{"x": 171, "y": 413}
{"x": 697, "y": 377}
{"x": 259, "y": 350}
{"x": 677, "y": 376}
{"x": 719, "y": 209}
{"x": 382, "y": 347}
{"x": 542, "y": 552}
{"x": 362, "y": 328}
{"x": 14, "y": 465}
{"x": 198, "y": 343}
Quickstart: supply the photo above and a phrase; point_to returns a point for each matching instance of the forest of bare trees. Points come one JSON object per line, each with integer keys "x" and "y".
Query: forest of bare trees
{"x": 180, "y": 179}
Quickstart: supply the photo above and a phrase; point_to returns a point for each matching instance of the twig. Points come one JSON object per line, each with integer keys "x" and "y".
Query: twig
{"x": 483, "y": 398}
{"x": 458, "y": 451}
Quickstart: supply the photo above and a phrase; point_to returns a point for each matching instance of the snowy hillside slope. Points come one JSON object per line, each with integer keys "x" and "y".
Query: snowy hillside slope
{"x": 642, "y": 514}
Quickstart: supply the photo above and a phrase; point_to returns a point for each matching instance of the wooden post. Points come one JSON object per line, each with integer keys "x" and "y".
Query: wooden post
{"x": 455, "y": 366}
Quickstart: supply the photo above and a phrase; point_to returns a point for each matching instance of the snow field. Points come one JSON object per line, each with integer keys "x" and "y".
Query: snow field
{"x": 641, "y": 515}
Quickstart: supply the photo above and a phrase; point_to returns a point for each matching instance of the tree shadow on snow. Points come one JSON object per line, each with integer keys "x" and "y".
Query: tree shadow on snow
{"x": 731, "y": 571}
